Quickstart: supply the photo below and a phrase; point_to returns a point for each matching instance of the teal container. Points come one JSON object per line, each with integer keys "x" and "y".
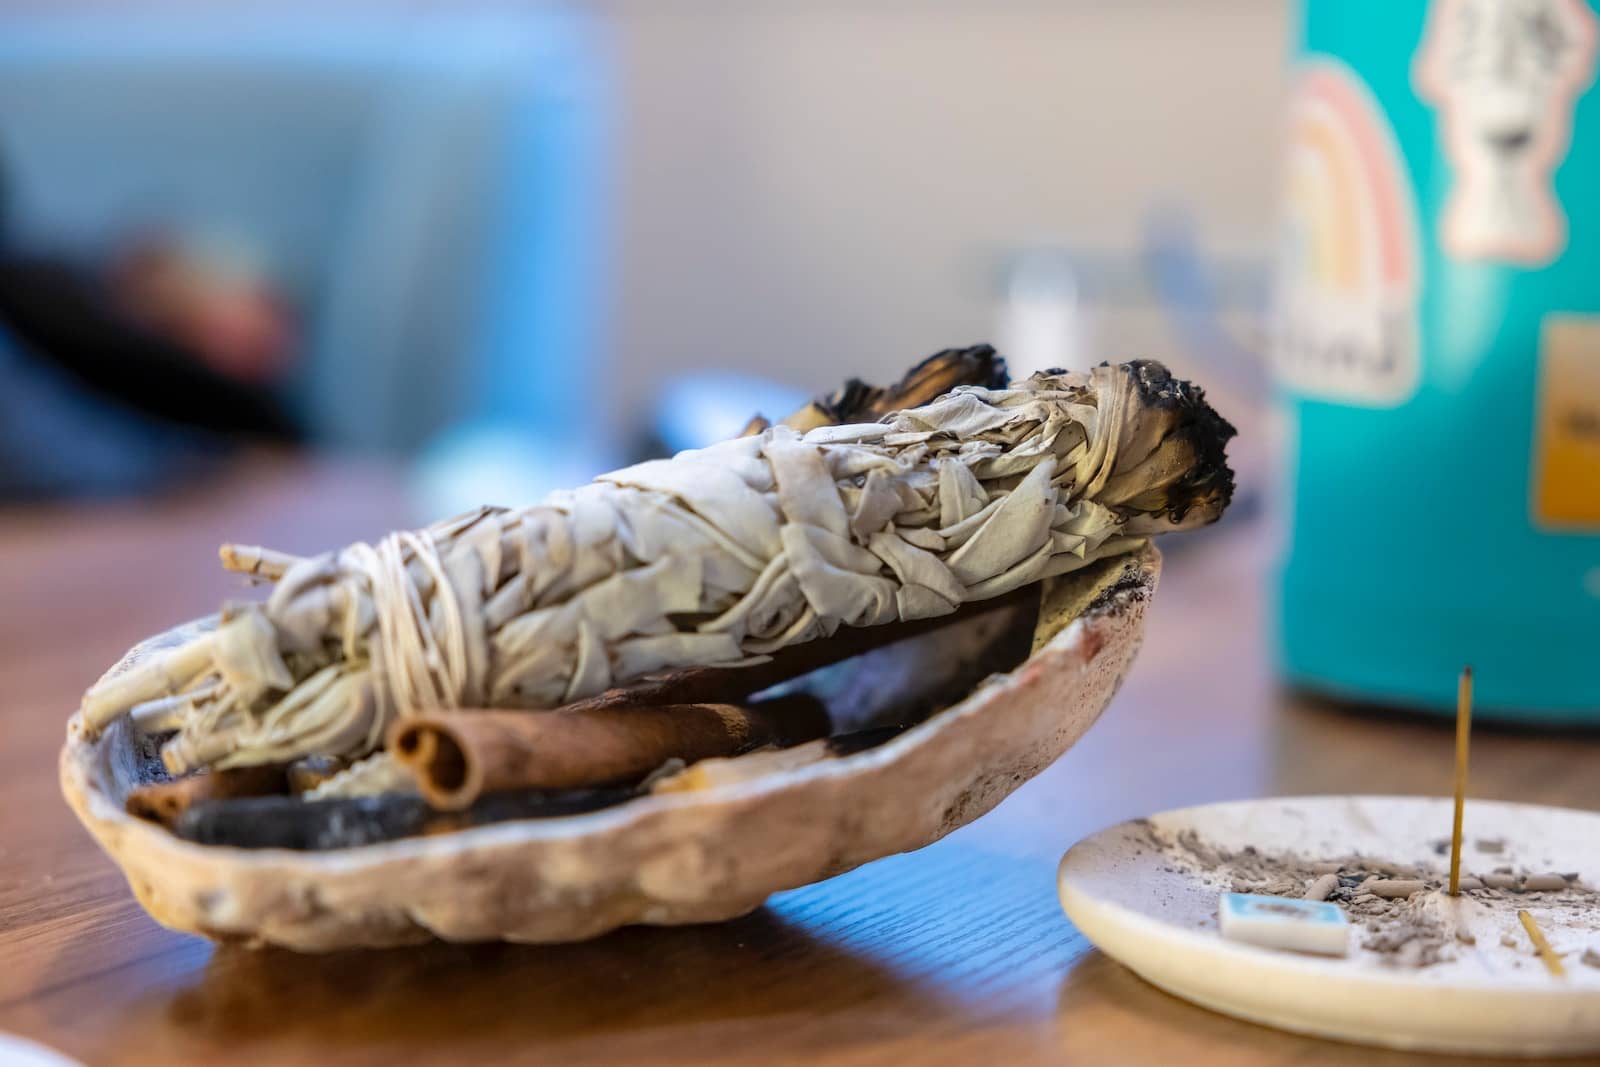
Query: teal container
{"x": 1437, "y": 339}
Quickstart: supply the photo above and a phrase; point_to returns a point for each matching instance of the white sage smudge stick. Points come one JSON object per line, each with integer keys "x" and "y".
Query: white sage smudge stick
{"x": 716, "y": 557}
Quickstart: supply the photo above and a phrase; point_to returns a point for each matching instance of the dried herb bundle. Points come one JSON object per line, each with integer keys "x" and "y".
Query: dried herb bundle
{"x": 716, "y": 557}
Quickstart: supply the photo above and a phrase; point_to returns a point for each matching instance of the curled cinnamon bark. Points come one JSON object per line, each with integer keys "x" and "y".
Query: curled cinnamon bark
{"x": 457, "y": 757}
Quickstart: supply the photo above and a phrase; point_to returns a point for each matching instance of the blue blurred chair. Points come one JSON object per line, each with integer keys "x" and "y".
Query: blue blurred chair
{"x": 426, "y": 190}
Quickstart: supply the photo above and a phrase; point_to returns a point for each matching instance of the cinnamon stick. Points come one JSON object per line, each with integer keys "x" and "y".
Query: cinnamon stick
{"x": 459, "y": 756}
{"x": 165, "y": 802}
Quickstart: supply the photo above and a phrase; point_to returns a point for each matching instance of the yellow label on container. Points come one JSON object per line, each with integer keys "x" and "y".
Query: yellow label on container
{"x": 1566, "y": 424}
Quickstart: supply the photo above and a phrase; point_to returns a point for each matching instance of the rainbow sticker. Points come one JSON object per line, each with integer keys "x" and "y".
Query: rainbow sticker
{"x": 1346, "y": 325}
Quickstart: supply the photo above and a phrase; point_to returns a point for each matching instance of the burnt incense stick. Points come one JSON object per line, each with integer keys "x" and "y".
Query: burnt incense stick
{"x": 1552, "y": 961}
{"x": 1463, "y": 738}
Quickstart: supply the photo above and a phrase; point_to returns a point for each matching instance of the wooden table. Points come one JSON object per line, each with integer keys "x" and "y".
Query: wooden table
{"x": 956, "y": 954}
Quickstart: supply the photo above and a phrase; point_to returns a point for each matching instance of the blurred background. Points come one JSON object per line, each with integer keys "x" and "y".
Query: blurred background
{"x": 504, "y": 247}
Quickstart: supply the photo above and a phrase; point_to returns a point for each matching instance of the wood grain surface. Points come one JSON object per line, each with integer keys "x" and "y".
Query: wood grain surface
{"x": 957, "y": 954}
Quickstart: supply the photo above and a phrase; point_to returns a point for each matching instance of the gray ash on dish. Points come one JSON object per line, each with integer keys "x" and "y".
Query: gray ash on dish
{"x": 1393, "y": 905}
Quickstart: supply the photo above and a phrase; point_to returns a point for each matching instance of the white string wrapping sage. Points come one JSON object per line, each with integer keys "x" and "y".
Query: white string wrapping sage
{"x": 717, "y": 556}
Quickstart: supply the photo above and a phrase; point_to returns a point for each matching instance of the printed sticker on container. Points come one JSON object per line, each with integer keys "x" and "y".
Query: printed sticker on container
{"x": 1504, "y": 75}
{"x": 1566, "y": 425}
{"x": 1346, "y": 326}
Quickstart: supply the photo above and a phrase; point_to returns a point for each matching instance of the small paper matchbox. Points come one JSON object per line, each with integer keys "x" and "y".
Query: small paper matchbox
{"x": 1284, "y": 923}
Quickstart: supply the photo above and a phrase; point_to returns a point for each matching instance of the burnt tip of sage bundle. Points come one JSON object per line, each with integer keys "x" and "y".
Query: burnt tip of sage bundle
{"x": 1185, "y": 482}
{"x": 1210, "y": 476}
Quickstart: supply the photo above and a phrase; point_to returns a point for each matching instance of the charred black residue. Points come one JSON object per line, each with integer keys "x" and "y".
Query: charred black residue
{"x": 1129, "y": 586}
{"x": 858, "y": 401}
{"x": 853, "y": 396}
{"x": 1209, "y": 480}
{"x": 981, "y": 366}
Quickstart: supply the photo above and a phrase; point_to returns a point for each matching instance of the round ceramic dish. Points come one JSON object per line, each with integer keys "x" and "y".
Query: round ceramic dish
{"x": 1144, "y": 906}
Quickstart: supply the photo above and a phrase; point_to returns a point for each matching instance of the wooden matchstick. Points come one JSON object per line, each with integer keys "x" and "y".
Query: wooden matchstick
{"x": 1546, "y": 953}
{"x": 1463, "y": 737}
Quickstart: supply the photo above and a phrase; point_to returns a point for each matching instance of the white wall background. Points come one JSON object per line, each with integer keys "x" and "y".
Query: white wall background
{"x": 818, "y": 190}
